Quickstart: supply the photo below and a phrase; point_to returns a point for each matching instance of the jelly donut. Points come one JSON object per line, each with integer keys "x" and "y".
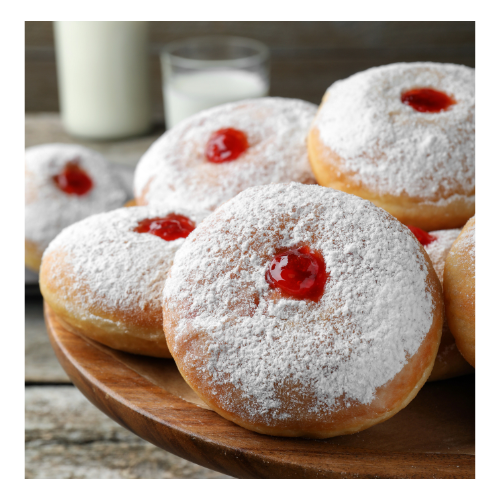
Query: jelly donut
{"x": 103, "y": 276}
{"x": 401, "y": 136}
{"x": 459, "y": 287}
{"x": 449, "y": 362}
{"x": 211, "y": 157}
{"x": 64, "y": 184}
{"x": 298, "y": 310}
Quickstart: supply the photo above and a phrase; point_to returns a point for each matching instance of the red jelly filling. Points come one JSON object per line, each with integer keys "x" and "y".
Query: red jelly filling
{"x": 226, "y": 145}
{"x": 427, "y": 100}
{"x": 73, "y": 180}
{"x": 169, "y": 228}
{"x": 423, "y": 237}
{"x": 299, "y": 273}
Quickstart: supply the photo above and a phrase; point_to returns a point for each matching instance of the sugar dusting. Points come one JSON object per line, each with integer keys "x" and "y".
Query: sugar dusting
{"x": 113, "y": 266}
{"x": 392, "y": 149}
{"x": 439, "y": 249}
{"x": 175, "y": 169}
{"x": 465, "y": 246}
{"x": 48, "y": 209}
{"x": 373, "y": 316}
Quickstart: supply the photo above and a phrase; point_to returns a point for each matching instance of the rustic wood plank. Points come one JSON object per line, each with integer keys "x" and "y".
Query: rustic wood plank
{"x": 40, "y": 92}
{"x": 299, "y": 33}
{"x": 38, "y": 34}
{"x": 67, "y": 437}
{"x": 334, "y": 34}
{"x": 306, "y": 57}
{"x": 41, "y": 364}
{"x": 432, "y": 438}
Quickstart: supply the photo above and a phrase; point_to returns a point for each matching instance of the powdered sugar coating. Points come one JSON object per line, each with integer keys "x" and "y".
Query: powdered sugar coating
{"x": 439, "y": 249}
{"x": 449, "y": 361}
{"x": 465, "y": 246}
{"x": 175, "y": 168}
{"x": 48, "y": 208}
{"x": 392, "y": 149}
{"x": 112, "y": 266}
{"x": 374, "y": 313}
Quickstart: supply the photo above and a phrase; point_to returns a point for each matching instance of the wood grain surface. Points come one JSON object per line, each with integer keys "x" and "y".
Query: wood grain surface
{"x": 66, "y": 437}
{"x": 69, "y": 438}
{"x": 432, "y": 438}
{"x": 41, "y": 366}
{"x": 306, "y": 57}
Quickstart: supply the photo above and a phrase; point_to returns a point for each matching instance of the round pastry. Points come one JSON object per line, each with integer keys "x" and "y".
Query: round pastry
{"x": 298, "y": 310}
{"x": 103, "y": 276}
{"x": 449, "y": 362}
{"x": 214, "y": 155}
{"x": 459, "y": 286}
{"x": 401, "y": 136}
{"x": 64, "y": 184}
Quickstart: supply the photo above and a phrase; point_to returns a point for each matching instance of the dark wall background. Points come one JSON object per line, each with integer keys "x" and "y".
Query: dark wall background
{"x": 306, "y": 57}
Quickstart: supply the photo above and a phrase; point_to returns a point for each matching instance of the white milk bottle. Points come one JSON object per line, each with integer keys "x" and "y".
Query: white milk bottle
{"x": 103, "y": 76}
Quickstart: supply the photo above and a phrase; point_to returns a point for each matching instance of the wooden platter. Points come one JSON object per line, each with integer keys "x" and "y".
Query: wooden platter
{"x": 432, "y": 438}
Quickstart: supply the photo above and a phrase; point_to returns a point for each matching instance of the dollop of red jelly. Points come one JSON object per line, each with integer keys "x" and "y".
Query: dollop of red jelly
{"x": 427, "y": 100}
{"x": 73, "y": 180}
{"x": 423, "y": 237}
{"x": 226, "y": 144}
{"x": 299, "y": 273}
{"x": 169, "y": 228}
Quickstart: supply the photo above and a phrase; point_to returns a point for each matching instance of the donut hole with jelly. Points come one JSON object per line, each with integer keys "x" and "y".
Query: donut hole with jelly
{"x": 73, "y": 180}
{"x": 298, "y": 273}
{"x": 427, "y": 100}
{"x": 226, "y": 144}
{"x": 169, "y": 228}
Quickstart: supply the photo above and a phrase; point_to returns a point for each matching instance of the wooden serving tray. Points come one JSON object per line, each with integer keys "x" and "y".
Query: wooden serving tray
{"x": 432, "y": 438}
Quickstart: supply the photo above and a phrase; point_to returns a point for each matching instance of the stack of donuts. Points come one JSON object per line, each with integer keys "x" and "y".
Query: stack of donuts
{"x": 305, "y": 267}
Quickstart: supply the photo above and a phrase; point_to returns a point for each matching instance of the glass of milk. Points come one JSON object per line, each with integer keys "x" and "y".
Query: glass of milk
{"x": 200, "y": 73}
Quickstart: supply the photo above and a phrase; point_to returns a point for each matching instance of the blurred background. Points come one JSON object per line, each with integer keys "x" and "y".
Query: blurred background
{"x": 66, "y": 437}
{"x": 306, "y": 57}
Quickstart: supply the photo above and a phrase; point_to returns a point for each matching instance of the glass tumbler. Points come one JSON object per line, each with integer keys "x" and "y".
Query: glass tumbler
{"x": 199, "y": 73}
